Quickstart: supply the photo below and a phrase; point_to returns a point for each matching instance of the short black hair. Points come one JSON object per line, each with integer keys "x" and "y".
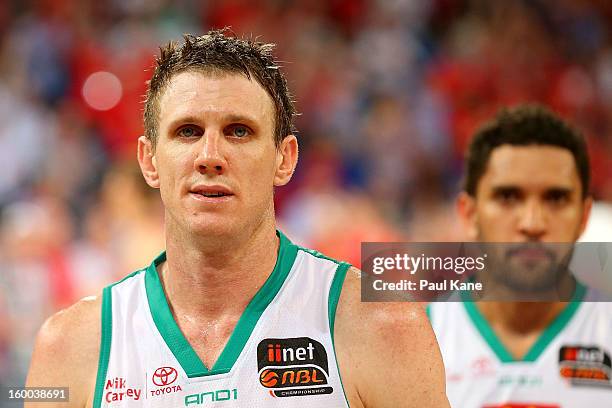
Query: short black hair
{"x": 220, "y": 51}
{"x": 524, "y": 125}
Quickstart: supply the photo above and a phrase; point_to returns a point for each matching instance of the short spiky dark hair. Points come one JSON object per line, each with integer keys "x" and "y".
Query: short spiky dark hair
{"x": 220, "y": 51}
{"x": 524, "y": 125}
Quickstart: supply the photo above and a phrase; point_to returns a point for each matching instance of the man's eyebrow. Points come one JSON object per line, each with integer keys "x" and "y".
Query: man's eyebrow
{"x": 506, "y": 188}
{"x": 560, "y": 190}
{"x": 231, "y": 117}
{"x": 181, "y": 120}
{"x": 510, "y": 188}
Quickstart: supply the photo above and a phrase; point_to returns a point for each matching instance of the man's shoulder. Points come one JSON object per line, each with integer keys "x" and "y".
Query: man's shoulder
{"x": 67, "y": 349}
{"x": 81, "y": 321}
{"x": 72, "y": 334}
{"x": 378, "y": 315}
{"x": 392, "y": 340}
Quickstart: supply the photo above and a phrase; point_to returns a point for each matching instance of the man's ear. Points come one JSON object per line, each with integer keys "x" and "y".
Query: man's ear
{"x": 466, "y": 208}
{"x": 286, "y": 160}
{"x": 147, "y": 162}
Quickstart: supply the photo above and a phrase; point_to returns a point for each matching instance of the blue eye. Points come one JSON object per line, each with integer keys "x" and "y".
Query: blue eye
{"x": 240, "y": 131}
{"x": 188, "y": 131}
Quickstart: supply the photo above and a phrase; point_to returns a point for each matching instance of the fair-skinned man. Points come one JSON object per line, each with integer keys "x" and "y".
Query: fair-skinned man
{"x": 233, "y": 313}
{"x": 527, "y": 184}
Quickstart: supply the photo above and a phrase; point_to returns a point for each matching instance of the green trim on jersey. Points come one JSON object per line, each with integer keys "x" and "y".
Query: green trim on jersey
{"x": 487, "y": 332}
{"x": 336, "y": 286}
{"x": 557, "y": 325}
{"x": 106, "y": 337}
{"x": 547, "y": 336}
{"x": 334, "y": 294}
{"x": 105, "y": 344}
{"x": 176, "y": 341}
{"x": 335, "y": 290}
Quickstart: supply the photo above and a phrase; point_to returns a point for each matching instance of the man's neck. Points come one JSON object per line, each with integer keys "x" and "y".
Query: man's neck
{"x": 521, "y": 318}
{"x": 217, "y": 279}
{"x": 518, "y": 325}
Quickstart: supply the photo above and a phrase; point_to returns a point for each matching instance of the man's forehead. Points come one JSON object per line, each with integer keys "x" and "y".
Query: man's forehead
{"x": 193, "y": 93}
{"x": 537, "y": 166}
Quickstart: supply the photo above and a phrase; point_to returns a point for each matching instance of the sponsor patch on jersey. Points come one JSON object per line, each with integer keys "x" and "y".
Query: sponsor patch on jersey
{"x": 520, "y": 380}
{"x": 483, "y": 367}
{"x": 585, "y": 365}
{"x": 293, "y": 367}
{"x": 163, "y": 381}
{"x": 117, "y": 389}
{"x": 212, "y": 396}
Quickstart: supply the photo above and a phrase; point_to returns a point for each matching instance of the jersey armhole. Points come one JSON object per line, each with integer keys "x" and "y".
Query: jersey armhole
{"x": 105, "y": 344}
{"x": 335, "y": 290}
{"x": 334, "y": 296}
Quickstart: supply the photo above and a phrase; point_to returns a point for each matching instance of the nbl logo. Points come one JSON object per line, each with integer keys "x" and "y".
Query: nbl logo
{"x": 164, "y": 376}
{"x": 585, "y": 365}
{"x": 294, "y": 362}
{"x": 268, "y": 378}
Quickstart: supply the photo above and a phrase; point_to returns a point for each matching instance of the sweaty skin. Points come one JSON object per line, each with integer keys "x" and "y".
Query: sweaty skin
{"x": 395, "y": 363}
{"x": 216, "y": 130}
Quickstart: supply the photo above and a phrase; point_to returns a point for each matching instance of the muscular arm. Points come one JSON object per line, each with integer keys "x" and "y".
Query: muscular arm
{"x": 387, "y": 353}
{"x": 66, "y": 353}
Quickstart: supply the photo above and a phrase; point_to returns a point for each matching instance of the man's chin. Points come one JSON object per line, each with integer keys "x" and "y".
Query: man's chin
{"x": 212, "y": 227}
{"x": 534, "y": 267}
{"x": 523, "y": 280}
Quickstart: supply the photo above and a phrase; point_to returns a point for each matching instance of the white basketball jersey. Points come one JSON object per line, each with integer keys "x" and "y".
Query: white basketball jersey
{"x": 280, "y": 354}
{"x": 567, "y": 367}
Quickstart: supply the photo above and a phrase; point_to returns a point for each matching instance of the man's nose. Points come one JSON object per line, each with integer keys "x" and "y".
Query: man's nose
{"x": 210, "y": 158}
{"x": 533, "y": 223}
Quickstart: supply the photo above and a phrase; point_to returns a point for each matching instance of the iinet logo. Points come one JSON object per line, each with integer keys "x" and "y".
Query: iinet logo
{"x": 280, "y": 354}
{"x": 593, "y": 355}
{"x": 284, "y": 364}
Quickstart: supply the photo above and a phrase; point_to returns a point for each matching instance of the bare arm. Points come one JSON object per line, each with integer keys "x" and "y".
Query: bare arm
{"x": 66, "y": 354}
{"x": 387, "y": 353}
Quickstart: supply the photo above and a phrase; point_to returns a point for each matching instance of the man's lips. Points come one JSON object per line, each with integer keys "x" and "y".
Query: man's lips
{"x": 211, "y": 192}
{"x": 531, "y": 253}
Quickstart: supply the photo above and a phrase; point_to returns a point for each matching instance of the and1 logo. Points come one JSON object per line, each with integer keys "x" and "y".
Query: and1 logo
{"x": 294, "y": 362}
{"x": 585, "y": 365}
{"x": 204, "y": 398}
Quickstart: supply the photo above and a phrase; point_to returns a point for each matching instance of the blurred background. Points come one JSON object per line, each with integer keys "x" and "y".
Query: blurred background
{"x": 389, "y": 93}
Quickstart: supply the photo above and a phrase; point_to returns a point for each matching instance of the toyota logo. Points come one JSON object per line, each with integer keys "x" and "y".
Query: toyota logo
{"x": 164, "y": 376}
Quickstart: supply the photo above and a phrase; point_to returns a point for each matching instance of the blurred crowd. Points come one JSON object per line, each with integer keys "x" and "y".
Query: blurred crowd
{"x": 389, "y": 93}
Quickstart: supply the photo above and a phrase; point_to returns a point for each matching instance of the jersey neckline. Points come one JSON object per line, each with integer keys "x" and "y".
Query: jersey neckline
{"x": 176, "y": 341}
{"x": 547, "y": 336}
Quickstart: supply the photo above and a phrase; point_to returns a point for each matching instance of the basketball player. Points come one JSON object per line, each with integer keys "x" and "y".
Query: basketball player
{"x": 527, "y": 181}
{"x": 232, "y": 314}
